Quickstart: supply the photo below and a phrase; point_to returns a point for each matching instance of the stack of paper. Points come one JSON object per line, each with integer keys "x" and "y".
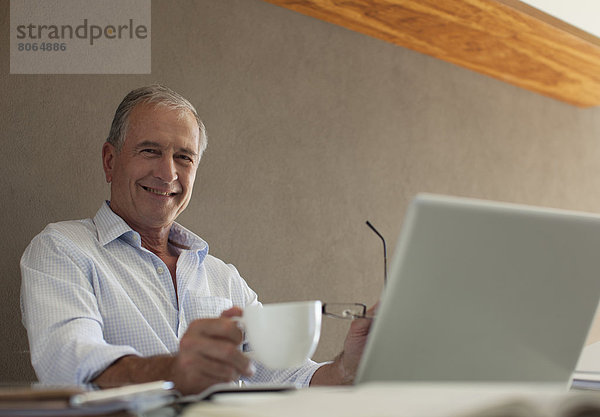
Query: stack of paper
{"x": 41, "y": 401}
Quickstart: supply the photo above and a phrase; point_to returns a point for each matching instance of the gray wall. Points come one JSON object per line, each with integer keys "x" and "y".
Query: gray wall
{"x": 313, "y": 129}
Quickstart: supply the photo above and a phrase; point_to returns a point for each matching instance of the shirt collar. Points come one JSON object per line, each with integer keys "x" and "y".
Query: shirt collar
{"x": 110, "y": 227}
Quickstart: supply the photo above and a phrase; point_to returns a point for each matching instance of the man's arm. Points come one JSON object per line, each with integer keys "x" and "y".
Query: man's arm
{"x": 133, "y": 369}
{"x": 61, "y": 315}
{"x": 208, "y": 354}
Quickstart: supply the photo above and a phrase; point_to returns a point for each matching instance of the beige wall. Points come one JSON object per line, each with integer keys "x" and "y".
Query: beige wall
{"x": 313, "y": 129}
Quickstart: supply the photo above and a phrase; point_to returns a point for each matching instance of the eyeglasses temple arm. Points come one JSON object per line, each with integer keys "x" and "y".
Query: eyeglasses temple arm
{"x": 384, "y": 251}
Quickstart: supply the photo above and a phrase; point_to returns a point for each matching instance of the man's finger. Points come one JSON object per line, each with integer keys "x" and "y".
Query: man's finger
{"x": 220, "y": 328}
{"x": 232, "y": 312}
{"x": 228, "y": 354}
{"x": 199, "y": 349}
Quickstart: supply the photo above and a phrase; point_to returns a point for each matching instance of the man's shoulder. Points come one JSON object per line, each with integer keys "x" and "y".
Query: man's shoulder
{"x": 214, "y": 261}
{"x": 72, "y": 236}
{"x": 216, "y": 265}
{"x": 74, "y": 230}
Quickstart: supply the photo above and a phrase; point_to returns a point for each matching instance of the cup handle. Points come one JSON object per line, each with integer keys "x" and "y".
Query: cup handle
{"x": 239, "y": 321}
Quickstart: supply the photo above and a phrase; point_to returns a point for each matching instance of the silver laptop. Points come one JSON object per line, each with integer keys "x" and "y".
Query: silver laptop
{"x": 486, "y": 291}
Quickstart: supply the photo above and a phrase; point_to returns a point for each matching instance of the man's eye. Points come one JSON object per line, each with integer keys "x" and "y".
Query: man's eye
{"x": 149, "y": 151}
{"x": 186, "y": 158}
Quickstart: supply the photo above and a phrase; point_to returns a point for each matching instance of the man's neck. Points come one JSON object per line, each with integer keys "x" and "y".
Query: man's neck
{"x": 155, "y": 239}
{"x": 157, "y": 244}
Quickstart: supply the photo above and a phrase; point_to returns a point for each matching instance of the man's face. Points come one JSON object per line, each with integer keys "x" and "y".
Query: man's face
{"x": 153, "y": 174}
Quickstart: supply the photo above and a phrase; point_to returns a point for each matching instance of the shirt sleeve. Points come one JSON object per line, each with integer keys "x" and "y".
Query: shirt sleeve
{"x": 297, "y": 376}
{"x": 60, "y": 312}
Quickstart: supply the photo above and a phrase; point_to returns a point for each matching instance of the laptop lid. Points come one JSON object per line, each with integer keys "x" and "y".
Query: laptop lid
{"x": 485, "y": 291}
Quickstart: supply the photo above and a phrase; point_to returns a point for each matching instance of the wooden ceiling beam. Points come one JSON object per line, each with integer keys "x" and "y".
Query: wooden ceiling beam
{"x": 505, "y": 39}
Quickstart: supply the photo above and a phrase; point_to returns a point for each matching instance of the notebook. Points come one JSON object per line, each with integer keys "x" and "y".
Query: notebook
{"x": 486, "y": 291}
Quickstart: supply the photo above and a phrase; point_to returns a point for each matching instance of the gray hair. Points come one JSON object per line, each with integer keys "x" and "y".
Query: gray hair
{"x": 157, "y": 95}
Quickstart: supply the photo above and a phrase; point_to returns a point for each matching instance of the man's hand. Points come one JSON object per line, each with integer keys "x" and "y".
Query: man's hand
{"x": 343, "y": 369}
{"x": 209, "y": 353}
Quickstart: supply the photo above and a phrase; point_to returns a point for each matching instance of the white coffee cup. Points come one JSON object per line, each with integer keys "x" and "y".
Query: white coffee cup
{"x": 282, "y": 335}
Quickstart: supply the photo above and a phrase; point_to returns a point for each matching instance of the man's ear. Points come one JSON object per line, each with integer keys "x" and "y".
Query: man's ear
{"x": 108, "y": 160}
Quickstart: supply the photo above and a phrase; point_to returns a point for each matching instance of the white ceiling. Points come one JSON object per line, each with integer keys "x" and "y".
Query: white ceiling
{"x": 584, "y": 14}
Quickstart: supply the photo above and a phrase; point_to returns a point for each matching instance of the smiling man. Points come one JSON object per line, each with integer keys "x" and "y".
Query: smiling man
{"x": 130, "y": 295}
{"x": 152, "y": 174}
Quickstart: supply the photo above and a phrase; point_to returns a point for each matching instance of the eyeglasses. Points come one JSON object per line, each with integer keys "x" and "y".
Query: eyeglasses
{"x": 351, "y": 311}
{"x": 345, "y": 310}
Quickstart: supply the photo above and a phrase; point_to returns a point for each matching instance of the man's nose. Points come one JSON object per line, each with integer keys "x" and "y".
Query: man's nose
{"x": 166, "y": 170}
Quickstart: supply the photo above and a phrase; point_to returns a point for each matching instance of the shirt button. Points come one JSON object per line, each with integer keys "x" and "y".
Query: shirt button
{"x": 160, "y": 269}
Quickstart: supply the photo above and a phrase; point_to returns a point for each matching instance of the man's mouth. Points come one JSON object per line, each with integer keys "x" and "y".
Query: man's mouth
{"x": 158, "y": 192}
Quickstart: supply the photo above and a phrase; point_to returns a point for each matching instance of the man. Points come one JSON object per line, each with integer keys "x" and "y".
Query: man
{"x": 131, "y": 296}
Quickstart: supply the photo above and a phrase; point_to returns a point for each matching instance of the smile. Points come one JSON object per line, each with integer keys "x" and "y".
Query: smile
{"x": 157, "y": 192}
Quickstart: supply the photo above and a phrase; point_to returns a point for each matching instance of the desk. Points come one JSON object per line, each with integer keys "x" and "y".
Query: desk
{"x": 405, "y": 400}
{"x": 375, "y": 399}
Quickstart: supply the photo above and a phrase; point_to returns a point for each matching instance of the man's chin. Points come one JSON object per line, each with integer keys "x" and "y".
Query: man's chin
{"x": 157, "y": 218}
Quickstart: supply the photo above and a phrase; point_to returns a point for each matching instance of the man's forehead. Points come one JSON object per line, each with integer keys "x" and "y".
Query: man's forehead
{"x": 147, "y": 115}
{"x": 143, "y": 110}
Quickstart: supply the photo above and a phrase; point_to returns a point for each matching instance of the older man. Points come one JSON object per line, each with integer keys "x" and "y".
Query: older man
{"x": 132, "y": 296}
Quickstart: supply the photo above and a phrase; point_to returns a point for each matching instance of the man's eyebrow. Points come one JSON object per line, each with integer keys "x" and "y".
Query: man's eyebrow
{"x": 152, "y": 144}
{"x": 147, "y": 144}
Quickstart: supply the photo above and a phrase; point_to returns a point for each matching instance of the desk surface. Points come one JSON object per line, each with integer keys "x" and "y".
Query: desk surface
{"x": 400, "y": 399}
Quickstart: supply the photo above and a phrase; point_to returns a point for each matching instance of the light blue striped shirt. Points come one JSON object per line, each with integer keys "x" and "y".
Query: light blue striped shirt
{"x": 90, "y": 294}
